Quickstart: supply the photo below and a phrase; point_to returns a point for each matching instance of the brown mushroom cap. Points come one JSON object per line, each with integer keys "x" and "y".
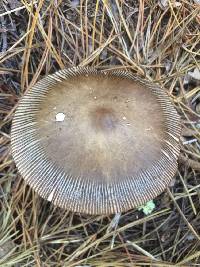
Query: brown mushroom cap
{"x": 115, "y": 148}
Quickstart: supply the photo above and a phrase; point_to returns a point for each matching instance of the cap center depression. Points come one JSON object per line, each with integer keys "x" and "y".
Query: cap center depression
{"x": 104, "y": 119}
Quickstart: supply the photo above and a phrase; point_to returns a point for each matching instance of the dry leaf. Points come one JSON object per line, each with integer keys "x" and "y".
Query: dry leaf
{"x": 75, "y": 3}
{"x": 195, "y": 74}
{"x": 165, "y": 4}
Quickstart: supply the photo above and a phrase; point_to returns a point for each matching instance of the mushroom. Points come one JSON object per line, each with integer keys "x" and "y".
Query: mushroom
{"x": 97, "y": 142}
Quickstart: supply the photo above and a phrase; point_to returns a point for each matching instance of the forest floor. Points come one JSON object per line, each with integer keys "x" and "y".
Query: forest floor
{"x": 158, "y": 40}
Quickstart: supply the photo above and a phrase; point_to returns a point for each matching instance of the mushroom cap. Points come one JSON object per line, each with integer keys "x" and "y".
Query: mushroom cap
{"x": 97, "y": 142}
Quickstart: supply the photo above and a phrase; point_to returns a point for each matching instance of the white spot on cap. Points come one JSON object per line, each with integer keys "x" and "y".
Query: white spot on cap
{"x": 148, "y": 129}
{"x": 60, "y": 116}
{"x": 124, "y": 118}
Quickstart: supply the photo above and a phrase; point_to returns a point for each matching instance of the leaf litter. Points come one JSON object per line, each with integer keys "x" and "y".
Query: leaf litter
{"x": 158, "y": 40}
